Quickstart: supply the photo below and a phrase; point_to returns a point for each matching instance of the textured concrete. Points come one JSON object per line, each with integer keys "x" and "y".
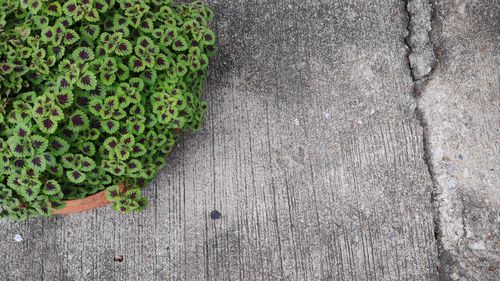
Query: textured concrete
{"x": 314, "y": 157}
{"x": 312, "y": 154}
{"x": 460, "y": 106}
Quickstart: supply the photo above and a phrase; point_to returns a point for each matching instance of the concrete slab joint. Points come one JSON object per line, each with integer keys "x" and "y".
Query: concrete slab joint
{"x": 422, "y": 62}
{"x": 453, "y": 61}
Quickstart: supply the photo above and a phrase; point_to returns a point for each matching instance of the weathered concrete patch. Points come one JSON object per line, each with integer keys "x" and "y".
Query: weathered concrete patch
{"x": 461, "y": 111}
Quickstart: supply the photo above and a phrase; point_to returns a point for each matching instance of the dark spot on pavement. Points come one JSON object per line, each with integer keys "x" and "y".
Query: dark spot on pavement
{"x": 215, "y": 215}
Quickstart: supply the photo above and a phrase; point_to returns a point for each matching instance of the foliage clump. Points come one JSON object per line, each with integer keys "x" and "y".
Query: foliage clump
{"x": 93, "y": 94}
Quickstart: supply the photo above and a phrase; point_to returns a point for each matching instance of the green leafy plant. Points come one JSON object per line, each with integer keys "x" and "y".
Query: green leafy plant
{"x": 94, "y": 94}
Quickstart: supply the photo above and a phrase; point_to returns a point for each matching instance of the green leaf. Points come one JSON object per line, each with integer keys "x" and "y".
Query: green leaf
{"x": 78, "y": 121}
{"x": 87, "y": 81}
{"x": 149, "y": 76}
{"x": 47, "y": 125}
{"x": 51, "y": 187}
{"x": 58, "y": 146}
{"x": 208, "y": 37}
{"x": 113, "y": 193}
{"x": 64, "y": 98}
{"x": 134, "y": 167}
{"x": 162, "y": 62}
{"x": 70, "y": 37}
{"x": 107, "y": 78}
{"x": 136, "y": 83}
{"x": 53, "y": 9}
{"x": 39, "y": 143}
{"x": 75, "y": 176}
{"x": 123, "y": 48}
{"x": 83, "y": 54}
{"x": 136, "y": 64}
{"x": 90, "y": 31}
{"x": 28, "y": 193}
{"x": 92, "y": 15}
{"x": 68, "y": 160}
{"x": 87, "y": 148}
{"x": 37, "y": 163}
{"x": 133, "y": 194}
{"x": 138, "y": 150}
{"x": 110, "y": 126}
{"x": 86, "y": 164}
{"x": 179, "y": 44}
{"x": 18, "y": 147}
{"x": 122, "y": 72}
{"x": 58, "y": 204}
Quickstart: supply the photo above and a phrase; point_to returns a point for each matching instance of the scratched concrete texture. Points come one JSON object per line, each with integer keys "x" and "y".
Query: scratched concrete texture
{"x": 313, "y": 163}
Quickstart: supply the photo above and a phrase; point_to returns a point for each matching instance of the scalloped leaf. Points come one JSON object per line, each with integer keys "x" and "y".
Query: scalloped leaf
{"x": 58, "y": 146}
{"x": 87, "y": 81}
{"x": 123, "y": 48}
{"x": 136, "y": 83}
{"x": 51, "y": 187}
{"x": 78, "y": 121}
{"x": 53, "y": 9}
{"x": 110, "y": 126}
{"x": 102, "y": 5}
{"x": 133, "y": 194}
{"x": 90, "y": 31}
{"x": 92, "y": 15}
{"x": 168, "y": 36}
{"x": 149, "y": 76}
{"x": 138, "y": 150}
{"x": 136, "y": 64}
{"x": 75, "y": 176}
{"x": 208, "y": 37}
{"x": 64, "y": 99}
{"x": 113, "y": 193}
{"x": 107, "y": 78}
{"x": 68, "y": 160}
{"x": 162, "y": 62}
{"x": 47, "y": 125}
{"x": 111, "y": 143}
{"x": 179, "y": 44}
{"x": 37, "y": 163}
{"x": 70, "y": 37}
{"x": 39, "y": 143}
{"x": 83, "y": 54}
{"x": 122, "y": 72}
{"x": 87, "y": 148}
{"x": 86, "y": 164}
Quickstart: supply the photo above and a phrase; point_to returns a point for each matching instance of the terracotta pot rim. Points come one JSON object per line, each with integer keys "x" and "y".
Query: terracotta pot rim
{"x": 88, "y": 203}
{"x": 91, "y": 202}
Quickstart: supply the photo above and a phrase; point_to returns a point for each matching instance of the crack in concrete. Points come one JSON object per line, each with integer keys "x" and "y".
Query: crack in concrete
{"x": 422, "y": 63}
{"x": 421, "y": 55}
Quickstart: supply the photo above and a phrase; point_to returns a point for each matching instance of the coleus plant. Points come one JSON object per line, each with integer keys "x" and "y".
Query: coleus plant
{"x": 93, "y": 95}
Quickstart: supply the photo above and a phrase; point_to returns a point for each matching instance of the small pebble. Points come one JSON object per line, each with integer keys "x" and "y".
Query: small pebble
{"x": 296, "y": 122}
{"x": 18, "y": 238}
{"x": 215, "y": 215}
{"x": 327, "y": 115}
{"x": 451, "y": 168}
{"x": 452, "y": 184}
{"x": 478, "y": 245}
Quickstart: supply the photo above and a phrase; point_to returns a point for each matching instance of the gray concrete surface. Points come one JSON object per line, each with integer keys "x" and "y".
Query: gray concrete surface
{"x": 314, "y": 155}
{"x": 460, "y": 105}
